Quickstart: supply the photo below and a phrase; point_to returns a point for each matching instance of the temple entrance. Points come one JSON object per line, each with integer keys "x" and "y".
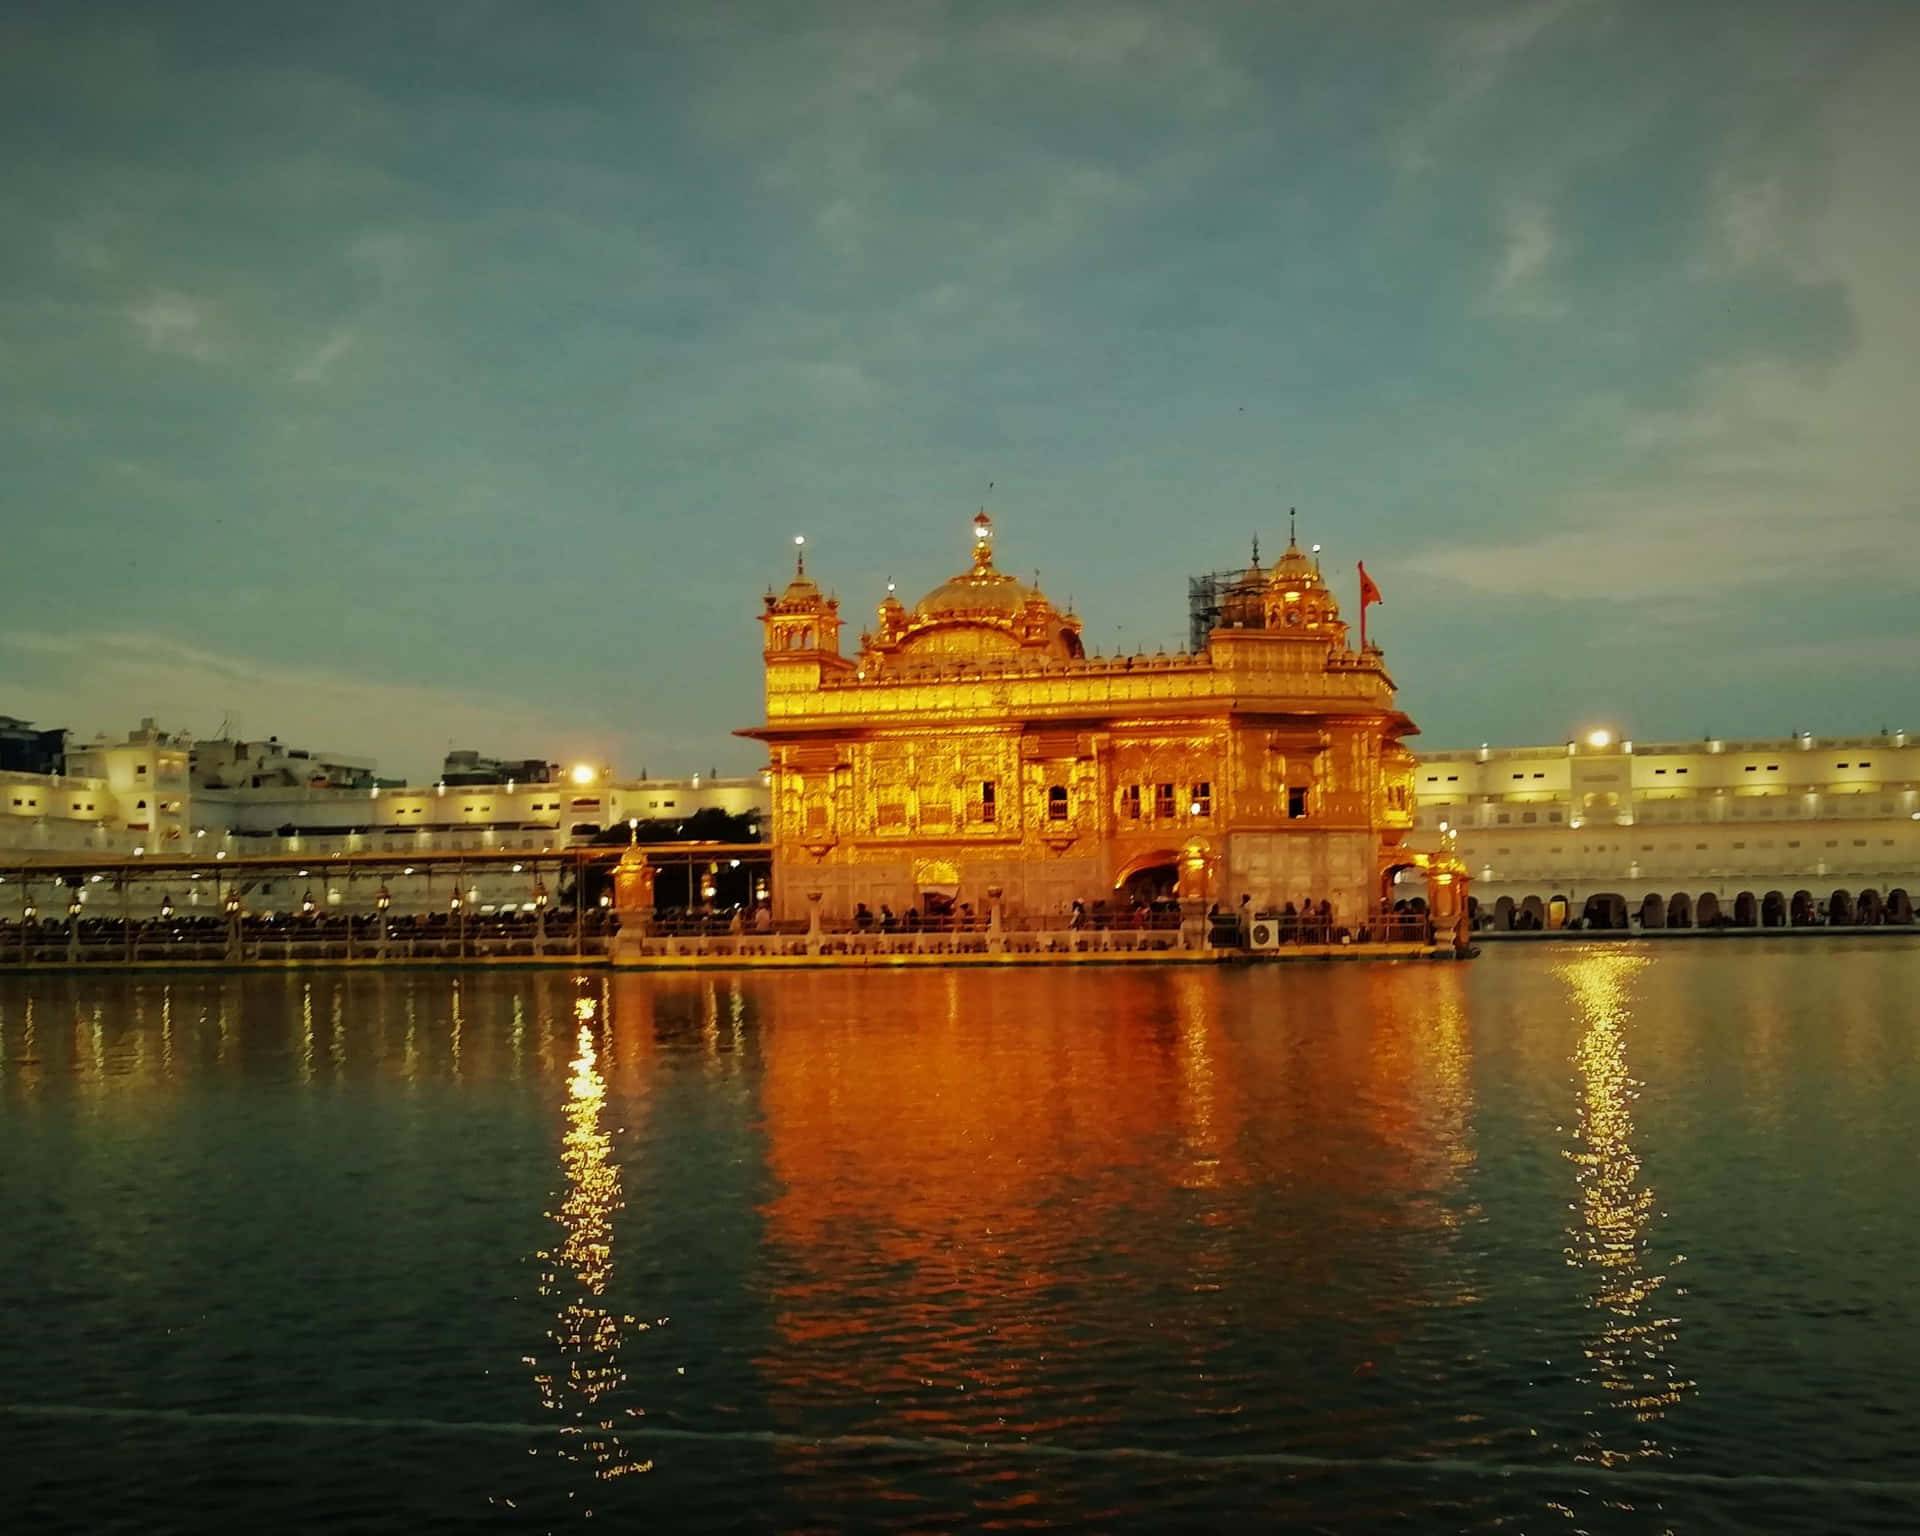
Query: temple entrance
{"x": 1149, "y": 878}
{"x": 936, "y": 886}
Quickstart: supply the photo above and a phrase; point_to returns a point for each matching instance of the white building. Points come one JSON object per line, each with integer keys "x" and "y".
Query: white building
{"x": 1777, "y": 832}
{"x": 165, "y": 795}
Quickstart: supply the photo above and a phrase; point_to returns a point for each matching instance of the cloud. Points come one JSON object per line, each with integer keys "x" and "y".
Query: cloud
{"x": 1628, "y": 549}
{"x": 89, "y": 677}
{"x": 1527, "y": 249}
{"x": 1472, "y": 58}
{"x": 317, "y": 364}
{"x": 174, "y": 324}
{"x": 1774, "y": 469}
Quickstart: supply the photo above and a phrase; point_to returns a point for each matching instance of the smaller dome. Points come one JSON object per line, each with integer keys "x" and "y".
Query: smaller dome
{"x": 1296, "y": 568}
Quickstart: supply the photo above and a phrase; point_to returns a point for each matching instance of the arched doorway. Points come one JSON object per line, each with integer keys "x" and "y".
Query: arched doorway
{"x": 1533, "y": 915}
{"x": 936, "y": 886}
{"x": 1868, "y": 911}
{"x": 1773, "y": 910}
{"x": 1653, "y": 912}
{"x": 1503, "y": 915}
{"x": 1399, "y": 884}
{"x": 1706, "y": 910}
{"x": 1840, "y": 910}
{"x": 1802, "y": 910}
{"x": 1607, "y": 910}
{"x": 1150, "y": 883}
{"x": 1899, "y": 906}
{"x": 1746, "y": 910}
{"x": 1557, "y": 912}
{"x": 1680, "y": 910}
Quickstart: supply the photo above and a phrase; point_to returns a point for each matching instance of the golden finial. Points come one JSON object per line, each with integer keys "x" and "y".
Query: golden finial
{"x": 982, "y": 541}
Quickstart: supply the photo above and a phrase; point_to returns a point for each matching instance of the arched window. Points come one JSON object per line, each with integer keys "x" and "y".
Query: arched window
{"x": 1057, "y": 803}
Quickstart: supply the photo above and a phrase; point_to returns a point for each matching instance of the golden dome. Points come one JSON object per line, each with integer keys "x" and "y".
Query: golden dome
{"x": 988, "y": 593}
{"x": 982, "y": 591}
{"x": 984, "y": 610}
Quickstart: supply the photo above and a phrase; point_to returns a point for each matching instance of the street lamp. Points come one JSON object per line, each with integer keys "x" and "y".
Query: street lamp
{"x": 166, "y": 907}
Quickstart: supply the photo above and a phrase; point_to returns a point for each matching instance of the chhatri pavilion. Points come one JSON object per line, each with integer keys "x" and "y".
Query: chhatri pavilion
{"x": 971, "y": 753}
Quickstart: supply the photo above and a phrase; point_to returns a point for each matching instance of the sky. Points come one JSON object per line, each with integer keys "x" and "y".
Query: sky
{"x": 392, "y": 377}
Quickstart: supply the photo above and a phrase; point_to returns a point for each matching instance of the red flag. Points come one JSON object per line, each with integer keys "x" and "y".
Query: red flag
{"x": 1369, "y": 593}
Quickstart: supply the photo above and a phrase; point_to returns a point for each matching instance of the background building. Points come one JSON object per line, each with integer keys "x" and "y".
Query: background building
{"x": 1799, "y": 829}
{"x": 164, "y": 794}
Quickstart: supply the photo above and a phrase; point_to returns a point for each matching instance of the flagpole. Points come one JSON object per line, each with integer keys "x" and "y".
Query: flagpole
{"x": 1363, "y": 610}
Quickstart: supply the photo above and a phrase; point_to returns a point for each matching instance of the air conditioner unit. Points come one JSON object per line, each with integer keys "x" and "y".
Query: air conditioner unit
{"x": 1263, "y": 933}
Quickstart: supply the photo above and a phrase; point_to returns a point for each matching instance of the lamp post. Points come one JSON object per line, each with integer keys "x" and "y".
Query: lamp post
{"x": 231, "y": 906}
{"x": 73, "y": 927}
{"x": 460, "y": 918}
{"x": 539, "y": 917}
{"x": 28, "y": 914}
{"x": 382, "y": 899}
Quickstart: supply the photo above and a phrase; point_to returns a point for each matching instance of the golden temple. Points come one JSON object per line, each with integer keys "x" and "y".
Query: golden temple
{"x": 971, "y": 755}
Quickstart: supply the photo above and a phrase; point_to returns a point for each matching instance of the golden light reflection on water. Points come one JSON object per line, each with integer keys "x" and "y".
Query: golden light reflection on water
{"x": 586, "y": 1335}
{"x": 1627, "y": 1351}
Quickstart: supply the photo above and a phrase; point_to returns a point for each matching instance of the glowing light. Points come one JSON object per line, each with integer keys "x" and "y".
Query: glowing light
{"x": 586, "y": 1336}
{"x": 1617, "y": 1211}
{"x": 1599, "y": 738}
{"x": 582, "y": 773}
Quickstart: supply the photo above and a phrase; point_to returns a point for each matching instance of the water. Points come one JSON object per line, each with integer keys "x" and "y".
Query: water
{"x": 1567, "y": 1239}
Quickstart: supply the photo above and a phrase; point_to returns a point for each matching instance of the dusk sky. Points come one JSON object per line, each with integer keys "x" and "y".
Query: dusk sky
{"x": 397, "y": 377}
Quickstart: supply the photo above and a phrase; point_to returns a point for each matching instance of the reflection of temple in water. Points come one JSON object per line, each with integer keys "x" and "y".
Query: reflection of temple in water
{"x": 972, "y": 1212}
{"x": 1627, "y": 1349}
{"x": 586, "y": 1335}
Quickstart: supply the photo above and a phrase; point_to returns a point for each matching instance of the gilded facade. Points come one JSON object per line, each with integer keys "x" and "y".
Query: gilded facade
{"x": 969, "y": 751}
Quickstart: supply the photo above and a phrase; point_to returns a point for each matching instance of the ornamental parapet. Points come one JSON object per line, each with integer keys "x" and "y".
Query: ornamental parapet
{"x": 1038, "y": 690}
